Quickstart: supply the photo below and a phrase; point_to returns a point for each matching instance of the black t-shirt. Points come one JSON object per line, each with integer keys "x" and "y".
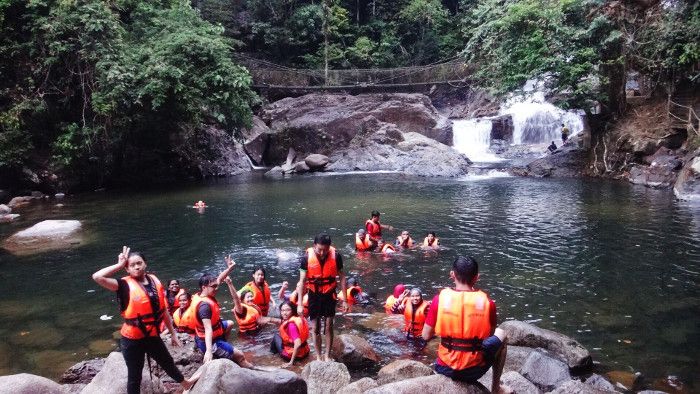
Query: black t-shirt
{"x": 304, "y": 261}
{"x": 123, "y": 293}
{"x": 204, "y": 311}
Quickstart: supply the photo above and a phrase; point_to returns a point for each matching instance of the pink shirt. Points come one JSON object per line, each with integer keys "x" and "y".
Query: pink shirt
{"x": 293, "y": 332}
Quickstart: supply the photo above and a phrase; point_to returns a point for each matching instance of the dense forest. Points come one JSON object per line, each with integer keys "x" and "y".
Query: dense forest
{"x": 101, "y": 92}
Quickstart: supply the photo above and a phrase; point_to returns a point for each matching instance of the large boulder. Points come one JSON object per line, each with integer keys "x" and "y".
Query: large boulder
{"x": 566, "y": 162}
{"x": 502, "y": 128}
{"x": 516, "y": 357}
{"x": 256, "y": 139}
{"x": 354, "y": 351}
{"x": 359, "y": 386}
{"x": 563, "y": 347}
{"x": 547, "y": 373}
{"x": 83, "y": 372}
{"x": 518, "y": 383}
{"x": 25, "y": 383}
{"x": 325, "y": 377}
{"x": 323, "y": 123}
{"x": 660, "y": 172}
{"x": 434, "y": 384}
{"x": 402, "y": 369}
{"x": 113, "y": 375}
{"x": 43, "y": 236}
{"x": 4, "y": 209}
{"x": 578, "y": 387}
{"x": 687, "y": 186}
{"x": 224, "y": 376}
{"x": 20, "y": 201}
{"x": 316, "y": 161}
{"x": 216, "y": 153}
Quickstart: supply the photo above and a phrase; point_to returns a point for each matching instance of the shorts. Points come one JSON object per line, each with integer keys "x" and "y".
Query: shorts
{"x": 220, "y": 348}
{"x": 321, "y": 304}
{"x": 491, "y": 346}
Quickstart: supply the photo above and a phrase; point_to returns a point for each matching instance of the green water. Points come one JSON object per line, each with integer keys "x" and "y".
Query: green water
{"x": 606, "y": 263}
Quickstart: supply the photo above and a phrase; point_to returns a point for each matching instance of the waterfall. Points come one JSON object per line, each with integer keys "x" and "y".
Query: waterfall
{"x": 472, "y": 137}
{"x": 536, "y": 121}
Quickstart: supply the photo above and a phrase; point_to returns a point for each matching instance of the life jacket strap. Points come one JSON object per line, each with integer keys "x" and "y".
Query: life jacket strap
{"x": 462, "y": 345}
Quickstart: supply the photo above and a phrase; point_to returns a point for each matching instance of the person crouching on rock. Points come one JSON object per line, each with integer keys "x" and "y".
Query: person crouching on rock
{"x": 465, "y": 320}
{"x": 210, "y": 329}
{"x": 142, "y": 301}
{"x": 291, "y": 340}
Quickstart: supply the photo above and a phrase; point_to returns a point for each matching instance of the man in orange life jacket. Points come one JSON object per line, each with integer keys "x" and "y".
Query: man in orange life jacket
{"x": 465, "y": 320}
{"x": 414, "y": 311}
{"x": 318, "y": 268}
{"x": 142, "y": 301}
{"x": 374, "y": 228}
{"x": 362, "y": 241}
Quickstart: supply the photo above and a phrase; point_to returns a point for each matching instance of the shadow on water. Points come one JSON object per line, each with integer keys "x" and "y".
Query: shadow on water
{"x": 615, "y": 266}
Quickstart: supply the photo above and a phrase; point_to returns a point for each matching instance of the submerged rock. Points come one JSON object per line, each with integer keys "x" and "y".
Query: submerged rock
{"x": 402, "y": 369}
{"x": 225, "y": 376}
{"x": 354, "y": 351}
{"x": 44, "y": 236}
{"x": 435, "y": 384}
{"x": 25, "y": 383}
{"x": 325, "y": 377}
{"x": 687, "y": 186}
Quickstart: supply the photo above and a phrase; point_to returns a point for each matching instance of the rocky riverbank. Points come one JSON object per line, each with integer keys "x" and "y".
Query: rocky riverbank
{"x": 538, "y": 361}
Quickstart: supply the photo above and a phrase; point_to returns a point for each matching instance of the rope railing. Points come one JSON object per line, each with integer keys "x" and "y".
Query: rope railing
{"x": 691, "y": 122}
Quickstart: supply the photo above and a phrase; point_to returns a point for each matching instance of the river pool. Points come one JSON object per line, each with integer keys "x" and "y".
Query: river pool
{"x": 615, "y": 266}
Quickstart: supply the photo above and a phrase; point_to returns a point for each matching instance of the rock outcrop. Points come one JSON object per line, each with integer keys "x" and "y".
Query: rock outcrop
{"x": 225, "y": 376}
{"x": 83, "y": 372}
{"x": 545, "y": 372}
{"x": 43, "y": 236}
{"x": 25, "y": 383}
{"x": 359, "y": 386}
{"x": 216, "y": 153}
{"x": 687, "y": 186}
{"x": 566, "y": 162}
{"x": 402, "y": 369}
{"x": 435, "y": 384}
{"x": 325, "y": 377}
{"x": 659, "y": 171}
{"x": 113, "y": 375}
{"x": 354, "y": 351}
{"x": 256, "y": 139}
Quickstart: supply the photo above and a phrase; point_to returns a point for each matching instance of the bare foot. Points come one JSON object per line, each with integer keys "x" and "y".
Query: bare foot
{"x": 319, "y": 358}
{"x": 502, "y": 389}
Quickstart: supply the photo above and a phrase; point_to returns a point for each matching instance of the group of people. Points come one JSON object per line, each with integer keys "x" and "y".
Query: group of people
{"x": 463, "y": 317}
{"x": 564, "y": 137}
{"x": 370, "y": 238}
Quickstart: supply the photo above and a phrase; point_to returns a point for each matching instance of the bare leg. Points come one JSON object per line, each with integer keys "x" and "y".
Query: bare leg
{"x": 498, "y": 364}
{"x": 316, "y": 334}
{"x": 239, "y": 358}
{"x": 229, "y": 326}
{"x": 329, "y": 338}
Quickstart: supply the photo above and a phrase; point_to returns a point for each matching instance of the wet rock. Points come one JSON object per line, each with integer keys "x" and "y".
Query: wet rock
{"x": 20, "y": 201}
{"x": 316, "y": 161}
{"x": 4, "y": 209}
{"x": 518, "y": 383}
{"x": 359, "y": 387}
{"x": 113, "y": 375}
{"x": 37, "y": 194}
{"x": 44, "y": 236}
{"x": 102, "y": 346}
{"x": 651, "y": 392}
{"x": 215, "y": 153}
{"x": 687, "y": 186}
{"x": 256, "y": 139}
{"x": 225, "y": 376}
{"x": 9, "y": 217}
{"x": 661, "y": 171}
{"x": 354, "y": 351}
{"x": 671, "y": 384}
{"x": 83, "y": 372}
{"x": 300, "y": 167}
{"x": 502, "y": 128}
{"x": 275, "y": 172}
{"x": 545, "y": 372}
{"x": 325, "y": 377}
{"x": 402, "y": 369}
{"x": 59, "y": 196}
{"x": 25, "y": 383}
{"x": 600, "y": 383}
{"x": 578, "y": 387}
{"x": 569, "y": 350}
{"x": 568, "y": 161}
{"x": 435, "y": 384}
{"x": 628, "y": 380}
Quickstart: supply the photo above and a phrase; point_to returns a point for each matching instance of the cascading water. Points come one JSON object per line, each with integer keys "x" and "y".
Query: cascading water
{"x": 472, "y": 137}
{"x": 536, "y": 121}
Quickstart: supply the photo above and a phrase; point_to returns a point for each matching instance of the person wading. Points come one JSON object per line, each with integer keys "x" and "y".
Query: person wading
{"x": 143, "y": 306}
{"x": 318, "y": 268}
{"x": 465, "y": 320}
{"x": 374, "y": 228}
{"x": 261, "y": 291}
{"x": 291, "y": 340}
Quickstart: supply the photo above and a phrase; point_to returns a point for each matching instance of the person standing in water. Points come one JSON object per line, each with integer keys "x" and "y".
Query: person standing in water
{"x": 414, "y": 310}
{"x": 374, "y": 228}
{"x": 143, "y": 306}
{"x": 318, "y": 268}
{"x": 260, "y": 290}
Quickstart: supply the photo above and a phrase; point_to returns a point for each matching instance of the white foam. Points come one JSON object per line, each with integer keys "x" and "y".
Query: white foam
{"x": 492, "y": 174}
{"x": 472, "y": 137}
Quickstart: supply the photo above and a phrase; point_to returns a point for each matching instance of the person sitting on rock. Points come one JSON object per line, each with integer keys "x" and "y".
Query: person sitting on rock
{"x": 374, "y": 227}
{"x": 404, "y": 240}
{"x": 247, "y": 313}
{"x": 172, "y": 295}
{"x": 362, "y": 241}
{"x": 399, "y": 290}
{"x": 414, "y": 309}
{"x": 293, "y": 298}
{"x": 260, "y": 290}
{"x": 210, "y": 329}
{"x": 183, "y": 318}
{"x": 431, "y": 240}
{"x": 552, "y": 147}
{"x": 354, "y": 294}
{"x": 465, "y": 320}
{"x": 291, "y": 340}
{"x": 143, "y": 306}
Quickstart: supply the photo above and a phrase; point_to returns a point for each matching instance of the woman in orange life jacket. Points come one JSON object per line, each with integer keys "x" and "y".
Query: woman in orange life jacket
{"x": 354, "y": 294}
{"x": 260, "y": 290}
{"x": 293, "y": 298}
{"x": 399, "y": 290}
{"x": 414, "y": 312}
{"x": 183, "y": 318}
{"x": 143, "y": 306}
{"x": 404, "y": 240}
{"x": 431, "y": 241}
{"x": 172, "y": 295}
{"x": 247, "y": 314}
{"x": 291, "y": 340}
{"x": 362, "y": 241}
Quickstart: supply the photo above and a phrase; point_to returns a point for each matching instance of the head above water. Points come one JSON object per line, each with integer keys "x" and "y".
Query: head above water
{"x": 405, "y": 234}
{"x": 375, "y": 214}
{"x": 465, "y": 270}
{"x": 361, "y": 232}
{"x": 136, "y": 265}
{"x": 259, "y": 275}
{"x": 208, "y": 284}
{"x": 352, "y": 282}
{"x": 287, "y": 310}
{"x": 416, "y": 296}
{"x": 184, "y": 300}
{"x": 247, "y": 297}
{"x": 322, "y": 244}
{"x": 398, "y": 290}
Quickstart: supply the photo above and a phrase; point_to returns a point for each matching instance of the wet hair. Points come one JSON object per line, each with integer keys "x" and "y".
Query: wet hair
{"x": 186, "y": 294}
{"x": 173, "y": 280}
{"x": 418, "y": 290}
{"x": 352, "y": 281}
{"x": 375, "y": 213}
{"x": 139, "y": 254}
{"x": 466, "y": 269}
{"x": 288, "y": 303}
{"x": 260, "y": 268}
{"x": 322, "y": 239}
{"x": 432, "y": 233}
{"x": 361, "y": 231}
{"x": 206, "y": 279}
{"x": 244, "y": 293}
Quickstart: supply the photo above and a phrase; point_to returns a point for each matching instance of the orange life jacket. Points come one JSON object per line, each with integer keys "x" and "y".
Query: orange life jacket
{"x": 362, "y": 244}
{"x": 184, "y": 321}
{"x": 216, "y": 326}
{"x": 350, "y": 298}
{"x": 288, "y": 344}
{"x": 389, "y": 303}
{"x": 463, "y": 322}
{"x": 305, "y": 301}
{"x": 176, "y": 301}
{"x": 261, "y": 297}
{"x": 141, "y": 318}
{"x": 436, "y": 242}
{"x": 408, "y": 243}
{"x": 321, "y": 278}
{"x": 249, "y": 322}
{"x": 388, "y": 247}
{"x": 414, "y": 321}
{"x": 373, "y": 229}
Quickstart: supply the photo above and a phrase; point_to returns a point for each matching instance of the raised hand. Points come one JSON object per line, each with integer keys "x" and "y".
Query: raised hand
{"x": 229, "y": 261}
{"x": 285, "y": 285}
{"x": 123, "y": 258}
{"x": 228, "y": 280}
